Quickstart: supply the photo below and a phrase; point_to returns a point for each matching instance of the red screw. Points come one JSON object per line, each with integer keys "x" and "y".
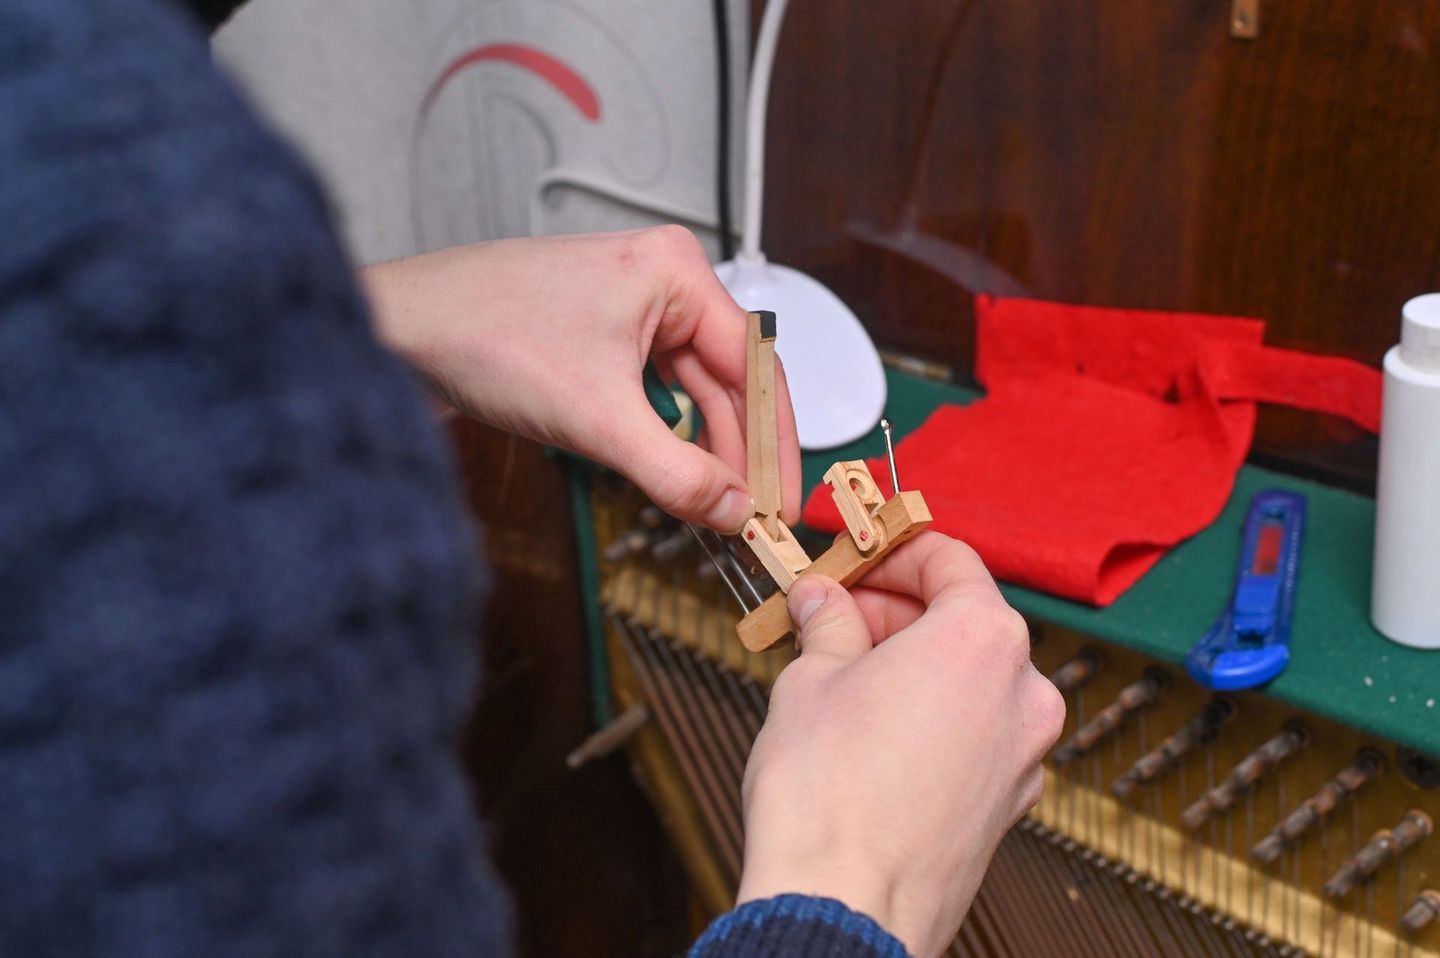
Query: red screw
{"x": 750, "y": 535}
{"x": 864, "y": 535}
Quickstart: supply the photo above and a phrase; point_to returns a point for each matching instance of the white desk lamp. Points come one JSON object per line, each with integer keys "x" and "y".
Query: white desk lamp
{"x": 837, "y": 383}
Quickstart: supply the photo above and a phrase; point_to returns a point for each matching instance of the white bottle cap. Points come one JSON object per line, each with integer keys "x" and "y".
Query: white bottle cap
{"x": 1420, "y": 332}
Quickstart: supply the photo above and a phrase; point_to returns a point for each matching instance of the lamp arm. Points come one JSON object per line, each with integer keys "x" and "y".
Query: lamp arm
{"x": 758, "y": 100}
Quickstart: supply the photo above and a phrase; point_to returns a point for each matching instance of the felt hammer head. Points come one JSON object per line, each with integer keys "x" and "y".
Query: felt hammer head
{"x": 767, "y": 323}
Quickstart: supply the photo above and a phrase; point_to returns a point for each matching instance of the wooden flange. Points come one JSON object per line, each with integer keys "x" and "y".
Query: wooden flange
{"x": 898, "y": 520}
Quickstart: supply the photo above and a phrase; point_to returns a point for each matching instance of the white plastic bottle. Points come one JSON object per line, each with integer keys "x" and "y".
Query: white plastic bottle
{"x": 1405, "y": 594}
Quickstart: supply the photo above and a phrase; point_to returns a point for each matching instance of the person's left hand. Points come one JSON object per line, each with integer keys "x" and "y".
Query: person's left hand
{"x": 900, "y": 746}
{"x": 548, "y": 338}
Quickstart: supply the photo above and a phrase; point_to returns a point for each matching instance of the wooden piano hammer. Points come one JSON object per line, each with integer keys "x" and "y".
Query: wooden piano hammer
{"x": 873, "y": 526}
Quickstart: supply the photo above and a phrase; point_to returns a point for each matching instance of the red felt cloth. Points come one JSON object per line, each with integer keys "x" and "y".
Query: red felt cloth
{"x": 1105, "y": 437}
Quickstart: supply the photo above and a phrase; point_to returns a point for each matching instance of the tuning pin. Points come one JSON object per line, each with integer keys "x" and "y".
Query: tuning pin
{"x": 1246, "y": 775}
{"x": 1200, "y": 730}
{"x": 606, "y": 740}
{"x": 1133, "y": 698}
{"x": 1384, "y": 846}
{"x": 625, "y": 545}
{"x": 672, "y": 546}
{"x": 1422, "y": 911}
{"x": 1313, "y": 812}
{"x": 631, "y": 541}
{"x": 1076, "y": 672}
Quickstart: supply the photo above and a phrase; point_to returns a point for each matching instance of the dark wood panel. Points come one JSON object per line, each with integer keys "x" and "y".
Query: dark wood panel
{"x": 1124, "y": 153}
{"x": 582, "y": 853}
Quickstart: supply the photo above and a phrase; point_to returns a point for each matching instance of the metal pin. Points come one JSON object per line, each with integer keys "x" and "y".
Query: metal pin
{"x": 1075, "y": 672}
{"x": 1200, "y": 730}
{"x": 1133, "y": 698}
{"x": 1385, "y": 846}
{"x": 1246, "y": 775}
{"x": 734, "y": 570}
{"x": 1422, "y": 911}
{"x": 668, "y": 549}
{"x": 743, "y": 575}
{"x": 606, "y": 740}
{"x": 625, "y": 545}
{"x": 890, "y": 454}
{"x": 1313, "y": 812}
{"x": 720, "y": 569}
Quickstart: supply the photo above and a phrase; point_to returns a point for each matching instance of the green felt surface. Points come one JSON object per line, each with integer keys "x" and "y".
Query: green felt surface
{"x": 1340, "y": 667}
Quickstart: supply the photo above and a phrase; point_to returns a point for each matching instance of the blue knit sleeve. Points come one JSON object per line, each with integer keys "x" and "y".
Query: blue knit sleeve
{"x": 236, "y": 582}
{"x": 796, "y": 926}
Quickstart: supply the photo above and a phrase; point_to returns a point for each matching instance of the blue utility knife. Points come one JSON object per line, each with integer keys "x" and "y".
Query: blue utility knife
{"x": 1250, "y": 645}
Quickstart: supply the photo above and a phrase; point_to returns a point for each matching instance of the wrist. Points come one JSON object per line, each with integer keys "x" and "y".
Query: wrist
{"x": 390, "y": 291}
{"x": 396, "y": 296}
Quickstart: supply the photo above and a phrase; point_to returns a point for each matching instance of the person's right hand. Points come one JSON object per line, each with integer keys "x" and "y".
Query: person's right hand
{"x": 900, "y": 746}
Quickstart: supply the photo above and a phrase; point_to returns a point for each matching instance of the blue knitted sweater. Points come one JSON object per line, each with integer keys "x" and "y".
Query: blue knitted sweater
{"x": 236, "y": 586}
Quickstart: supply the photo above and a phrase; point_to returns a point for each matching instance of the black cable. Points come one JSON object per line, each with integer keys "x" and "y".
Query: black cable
{"x": 211, "y": 13}
{"x": 722, "y": 130}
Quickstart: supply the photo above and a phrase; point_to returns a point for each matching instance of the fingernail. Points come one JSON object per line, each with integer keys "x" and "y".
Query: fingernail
{"x": 731, "y": 512}
{"x": 805, "y": 599}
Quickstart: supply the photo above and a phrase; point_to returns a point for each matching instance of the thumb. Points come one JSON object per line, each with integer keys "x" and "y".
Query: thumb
{"x": 681, "y": 478}
{"x": 827, "y": 620}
